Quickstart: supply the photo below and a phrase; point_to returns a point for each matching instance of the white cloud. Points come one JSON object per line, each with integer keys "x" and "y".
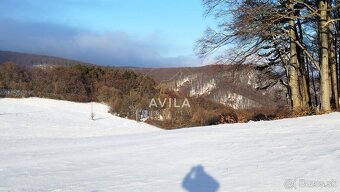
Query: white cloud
{"x": 115, "y": 48}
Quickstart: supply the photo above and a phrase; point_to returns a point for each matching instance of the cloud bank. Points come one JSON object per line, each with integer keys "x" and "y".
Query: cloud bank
{"x": 112, "y": 48}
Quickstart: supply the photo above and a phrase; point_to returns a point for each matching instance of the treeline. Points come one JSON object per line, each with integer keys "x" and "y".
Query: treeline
{"x": 127, "y": 93}
{"x": 121, "y": 89}
{"x": 298, "y": 39}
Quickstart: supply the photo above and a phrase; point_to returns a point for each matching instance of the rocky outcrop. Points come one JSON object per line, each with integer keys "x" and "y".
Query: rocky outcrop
{"x": 237, "y": 86}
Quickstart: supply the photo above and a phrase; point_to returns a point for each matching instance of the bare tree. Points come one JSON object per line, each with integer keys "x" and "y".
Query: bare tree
{"x": 262, "y": 27}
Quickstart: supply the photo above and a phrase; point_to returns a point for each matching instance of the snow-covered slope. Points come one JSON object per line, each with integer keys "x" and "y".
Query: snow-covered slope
{"x": 49, "y": 145}
{"x": 36, "y": 117}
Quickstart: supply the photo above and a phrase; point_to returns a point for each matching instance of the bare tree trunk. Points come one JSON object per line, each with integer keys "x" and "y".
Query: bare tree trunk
{"x": 337, "y": 50}
{"x": 337, "y": 53}
{"x": 334, "y": 77}
{"x": 314, "y": 88}
{"x": 308, "y": 84}
{"x": 324, "y": 66}
{"x": 335, "y": 85}
{"x": 304, "y": 84}
{"x": 293, "y": 75}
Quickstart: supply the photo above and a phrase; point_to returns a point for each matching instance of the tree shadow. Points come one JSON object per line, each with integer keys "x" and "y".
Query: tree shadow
{"x": 21, "y": 113}
{"x": 101, "y": 118}
{"x": 197, "y": 180}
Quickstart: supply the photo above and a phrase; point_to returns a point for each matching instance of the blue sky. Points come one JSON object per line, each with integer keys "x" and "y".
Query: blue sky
{"x": 144, "y": 33}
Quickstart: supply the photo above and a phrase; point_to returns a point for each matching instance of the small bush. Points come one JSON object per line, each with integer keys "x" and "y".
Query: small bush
{"x": 229, "y": 117}
{"x": 304, "y": 112}
{"x": 260, "y": 117}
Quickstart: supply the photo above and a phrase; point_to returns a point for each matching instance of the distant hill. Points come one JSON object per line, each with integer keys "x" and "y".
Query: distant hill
{"x": 236, "y": 86}
{"x": 30, "y": 60}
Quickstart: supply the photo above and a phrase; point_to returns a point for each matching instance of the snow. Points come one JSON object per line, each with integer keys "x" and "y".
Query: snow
{"x": 181, "y": 82}
{"x": 204, "y": 88}
{"x": 35, "y": 117}
{"x": 49, "y": 145}
{"x": 235, "y": 100}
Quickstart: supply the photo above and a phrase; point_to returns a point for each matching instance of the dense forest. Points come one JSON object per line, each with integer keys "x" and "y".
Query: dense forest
{"x": 119, "y": 88}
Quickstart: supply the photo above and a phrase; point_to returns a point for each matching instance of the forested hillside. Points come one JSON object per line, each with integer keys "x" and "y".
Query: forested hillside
{"x": 235, "y": 86}
{"x": 79, "y": 83}
{"x": 128, "y": 94}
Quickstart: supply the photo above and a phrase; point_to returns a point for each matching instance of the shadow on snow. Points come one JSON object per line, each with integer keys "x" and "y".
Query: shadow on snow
{"x": 197, "y": 180}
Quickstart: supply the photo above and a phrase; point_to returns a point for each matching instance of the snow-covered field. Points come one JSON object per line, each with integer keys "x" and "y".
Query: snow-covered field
{"x": 46, "y": 118}
{"x": 49, "y": 145}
